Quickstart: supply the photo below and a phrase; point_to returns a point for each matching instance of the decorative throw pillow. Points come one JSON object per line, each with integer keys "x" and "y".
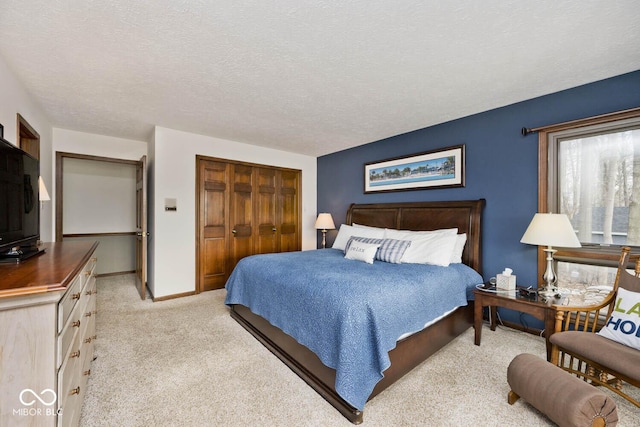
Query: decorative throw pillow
{"x": 347, "y": 231}
{"x": 624, "y": 324}
{"x": 391, "y": 250}
{"x": 361, "y": 251}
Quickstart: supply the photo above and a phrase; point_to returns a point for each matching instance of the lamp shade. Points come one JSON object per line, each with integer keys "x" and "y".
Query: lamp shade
{"x": 325, "y": 222}
{"x": 42, "y": 190}
{"x": 548, "y": 229}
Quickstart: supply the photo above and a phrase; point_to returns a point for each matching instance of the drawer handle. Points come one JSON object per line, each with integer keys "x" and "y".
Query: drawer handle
{"x": 87, "y": 373}
{"x": 74, "y": 391}
{"x": 74, "y": 354}
{"x": 95, "y": 337}
{"x": 87, "y": 314}
{"x": 76, "y": 324}
{"x": 87, "y": 273}
{"x": 94, "y": 259}
{"x": 75, "y": 296}
{"x": 89, "y": 292}
{"x": 87, "y": 340}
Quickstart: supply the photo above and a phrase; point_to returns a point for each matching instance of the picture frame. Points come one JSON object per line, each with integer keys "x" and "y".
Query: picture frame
{"x": 441, "y": 168}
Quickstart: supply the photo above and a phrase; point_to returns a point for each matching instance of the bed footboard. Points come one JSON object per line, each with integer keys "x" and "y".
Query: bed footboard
{"x": 408, "y": 354}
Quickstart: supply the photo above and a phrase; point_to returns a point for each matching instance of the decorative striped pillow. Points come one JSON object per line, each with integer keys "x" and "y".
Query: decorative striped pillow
{"x": 390, "y": 250}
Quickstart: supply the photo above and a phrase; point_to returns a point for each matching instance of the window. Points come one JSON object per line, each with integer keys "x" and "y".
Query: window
{"x": 597, "y": 180}
{"x": 590, "y": 170}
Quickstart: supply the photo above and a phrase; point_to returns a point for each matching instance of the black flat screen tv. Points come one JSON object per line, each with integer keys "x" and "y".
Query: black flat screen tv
{"x": 19, "y": 207}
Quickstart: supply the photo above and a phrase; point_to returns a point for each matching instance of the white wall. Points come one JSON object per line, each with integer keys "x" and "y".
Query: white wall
{"x": 71, "y": 141}
{"x": 172, "y": 175}
{"x": 99, "y": 197}
{"x": 14, "y": 100}
{"x": 173, "y": 157}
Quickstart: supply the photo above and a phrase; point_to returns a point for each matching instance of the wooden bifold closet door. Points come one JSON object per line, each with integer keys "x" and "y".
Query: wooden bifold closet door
{"x": 243, "y": 209}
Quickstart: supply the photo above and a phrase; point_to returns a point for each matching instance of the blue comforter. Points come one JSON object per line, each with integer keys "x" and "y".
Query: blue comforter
{"x": 347, "y": 312}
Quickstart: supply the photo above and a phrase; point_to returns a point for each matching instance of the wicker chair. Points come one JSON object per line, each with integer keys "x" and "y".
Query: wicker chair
{"x": 576, "y": 348}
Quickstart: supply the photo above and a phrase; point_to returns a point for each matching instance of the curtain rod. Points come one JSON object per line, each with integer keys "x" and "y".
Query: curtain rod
{"x": 602, "y": 117}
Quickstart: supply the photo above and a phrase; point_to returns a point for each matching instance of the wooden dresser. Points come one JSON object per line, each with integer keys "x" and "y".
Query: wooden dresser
{"x": 47, "y": 335}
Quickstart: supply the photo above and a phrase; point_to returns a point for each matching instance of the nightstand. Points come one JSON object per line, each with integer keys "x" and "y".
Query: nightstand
{"x": 537, "y": 306}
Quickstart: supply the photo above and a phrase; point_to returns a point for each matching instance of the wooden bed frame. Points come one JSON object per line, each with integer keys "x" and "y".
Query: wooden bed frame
{"x": 410, "y": 351}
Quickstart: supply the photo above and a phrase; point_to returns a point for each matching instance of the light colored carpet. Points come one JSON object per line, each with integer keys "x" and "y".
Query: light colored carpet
{"x": 185, "y": 362}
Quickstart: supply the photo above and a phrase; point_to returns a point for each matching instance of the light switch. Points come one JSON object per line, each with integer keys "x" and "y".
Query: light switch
{"x": 170, "y": 205}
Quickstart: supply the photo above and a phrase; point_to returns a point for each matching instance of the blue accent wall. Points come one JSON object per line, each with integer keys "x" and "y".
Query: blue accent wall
{"x": 501, "y": 166}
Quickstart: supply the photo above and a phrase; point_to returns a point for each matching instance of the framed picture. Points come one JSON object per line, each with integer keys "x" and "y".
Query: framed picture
{"x": 432, "y": 169}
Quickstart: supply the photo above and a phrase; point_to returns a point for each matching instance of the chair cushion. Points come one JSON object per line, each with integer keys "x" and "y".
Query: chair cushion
{"x": 608, "y": 353}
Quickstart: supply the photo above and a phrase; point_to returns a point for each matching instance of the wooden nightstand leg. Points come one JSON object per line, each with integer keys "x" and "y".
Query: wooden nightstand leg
{"x": 477, "y": 321}
{"x": 493, "y": 317}
{"x": 549, "y": 326}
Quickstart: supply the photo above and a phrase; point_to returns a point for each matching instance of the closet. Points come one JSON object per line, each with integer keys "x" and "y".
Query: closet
{"x": 243, "y": 209}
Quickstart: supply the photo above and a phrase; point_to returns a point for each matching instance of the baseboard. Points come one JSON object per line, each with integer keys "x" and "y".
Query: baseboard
{"x": 173, "y": 296}
{"x": 520, "y": 327}
{"x": 115, "y": 273}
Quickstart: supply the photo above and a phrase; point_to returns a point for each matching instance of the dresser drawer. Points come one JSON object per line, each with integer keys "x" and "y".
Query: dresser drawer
{"x": 78, "y": 319}
{"x": 67, "y": 336}
{"x": 69, "y": 301}
{"x": 69, "y": 373}
{"x": 70, "y": 406}
{"x": 88, "y": 270}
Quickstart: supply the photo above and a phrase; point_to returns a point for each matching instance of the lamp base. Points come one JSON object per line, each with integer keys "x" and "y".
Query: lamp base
{"x": 549, "y": 275}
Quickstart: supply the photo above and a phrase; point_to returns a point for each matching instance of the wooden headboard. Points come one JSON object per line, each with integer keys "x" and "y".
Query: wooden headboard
{"x": 465, "y": 215}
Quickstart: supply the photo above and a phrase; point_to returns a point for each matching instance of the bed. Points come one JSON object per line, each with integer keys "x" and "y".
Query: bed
{"x": 345, "y": 390}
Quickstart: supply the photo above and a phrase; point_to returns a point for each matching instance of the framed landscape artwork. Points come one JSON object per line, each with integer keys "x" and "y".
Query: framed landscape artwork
{"x": 432, "y": 169}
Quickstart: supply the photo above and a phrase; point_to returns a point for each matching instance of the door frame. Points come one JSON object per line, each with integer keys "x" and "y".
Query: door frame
{"x": 59, "y": 194}
{"x": 141, "y": 227}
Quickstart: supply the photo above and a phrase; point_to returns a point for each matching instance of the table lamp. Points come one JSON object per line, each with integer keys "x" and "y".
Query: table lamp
{"x": 548, "y": 229}
{"x": 324, "y": 223}
{"x": 42, "y": 191}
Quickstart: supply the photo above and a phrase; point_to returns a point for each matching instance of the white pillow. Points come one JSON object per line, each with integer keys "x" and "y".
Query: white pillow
{"x": 458, "y": 248}
{"x": 366, "y": 226}
{"x": 390, "y": 233}
{"x": 427, "y": 247}
{"x": 624, "y": 322}
{"x": 347, "y": 231}
{"x": 361, "y": 251}
{"x": 435, "y": 249}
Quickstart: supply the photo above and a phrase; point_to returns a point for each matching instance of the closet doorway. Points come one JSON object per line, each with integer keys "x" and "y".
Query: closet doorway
{"x": 105, "y": 199}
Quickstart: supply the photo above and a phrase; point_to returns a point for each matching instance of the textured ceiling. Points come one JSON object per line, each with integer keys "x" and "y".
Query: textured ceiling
{"x": 311, "y": 77}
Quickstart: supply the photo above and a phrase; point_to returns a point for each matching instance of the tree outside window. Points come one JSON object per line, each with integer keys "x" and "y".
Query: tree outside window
{"x": 599, "y": 187}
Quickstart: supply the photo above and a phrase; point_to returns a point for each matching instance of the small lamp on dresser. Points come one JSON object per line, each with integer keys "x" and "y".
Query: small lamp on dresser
{"x": 324, "y": 223}
{"x": 548, "y": 229}
{"x": 42, "y": 191}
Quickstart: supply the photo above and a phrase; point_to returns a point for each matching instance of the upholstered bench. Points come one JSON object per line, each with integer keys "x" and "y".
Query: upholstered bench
{"x": 565, "y": 399}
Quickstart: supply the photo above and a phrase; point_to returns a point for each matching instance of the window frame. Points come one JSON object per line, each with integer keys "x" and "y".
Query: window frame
{"x": 548, "y": 137}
